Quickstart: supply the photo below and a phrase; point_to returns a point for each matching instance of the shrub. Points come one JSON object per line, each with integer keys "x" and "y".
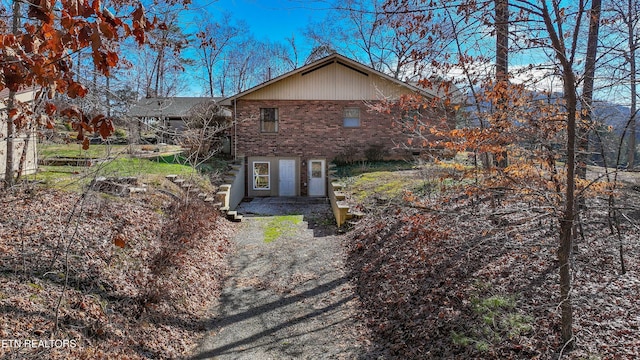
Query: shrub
{"x": 375, "y": 152}
{"x": 120, "y": 133}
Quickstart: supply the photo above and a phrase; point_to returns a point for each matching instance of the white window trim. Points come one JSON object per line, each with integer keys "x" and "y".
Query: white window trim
{"x": 255, "y": 176}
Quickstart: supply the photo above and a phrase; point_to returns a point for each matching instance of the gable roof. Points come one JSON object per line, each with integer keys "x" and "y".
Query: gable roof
{"x": 172, "y": 107}
{"x": 342, "y": 61}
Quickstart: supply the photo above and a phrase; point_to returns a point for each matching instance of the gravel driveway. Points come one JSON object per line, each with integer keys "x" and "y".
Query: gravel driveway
{"x": 289, "y": 296}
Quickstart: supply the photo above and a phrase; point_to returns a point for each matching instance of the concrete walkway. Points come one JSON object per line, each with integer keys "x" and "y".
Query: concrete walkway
{"x": 289, "y": 296}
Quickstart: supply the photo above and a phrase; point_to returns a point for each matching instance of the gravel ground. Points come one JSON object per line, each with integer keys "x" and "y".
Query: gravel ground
{"x": 289, "y": 298}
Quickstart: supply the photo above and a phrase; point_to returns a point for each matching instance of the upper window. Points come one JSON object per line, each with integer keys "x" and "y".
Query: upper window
{"x": 351, "y": 117}
{"x": 269, "y": 120}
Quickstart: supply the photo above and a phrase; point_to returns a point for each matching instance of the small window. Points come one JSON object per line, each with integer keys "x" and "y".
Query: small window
{"x": 316, "y": 169}
{"x": 351, "y": 117}
{"x": 269, "y": 120}
{"x": 261, "y": 175}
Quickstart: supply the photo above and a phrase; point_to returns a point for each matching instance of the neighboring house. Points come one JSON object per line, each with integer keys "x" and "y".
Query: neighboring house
{"x": 289, "y": 128}
{"x": 166, "y": 116}
{"x": 24, "y": 144}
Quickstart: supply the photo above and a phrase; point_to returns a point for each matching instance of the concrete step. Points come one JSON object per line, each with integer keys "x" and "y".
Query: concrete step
{"x": 354, "y": 214}
{"x": 234, "y": 216}
{"x": 171, "y": 177}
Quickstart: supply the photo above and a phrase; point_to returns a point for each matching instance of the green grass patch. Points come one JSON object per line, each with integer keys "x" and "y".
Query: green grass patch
{"x": 390, "y": 180}
{"x": 498, "y": 318}
{"x": 362, "y": 167}
{"x": 100, "y": 151}
{"x": 381, "y": 184}
{"x": 137, "y": 167}
{"x": 279, "y": 226}
{"x": 74, "y": 178}
{"x": 76, "y": 151}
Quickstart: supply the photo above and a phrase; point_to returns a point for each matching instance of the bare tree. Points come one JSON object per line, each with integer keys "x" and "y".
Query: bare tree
{"x": 165, "y": 51}
{"x": 213, "y": 39}
{"x": 556, "y": 30}
{"x": 203, "y": 135}
{"x": 626, "y": 20}
{"x": 374, "y": 33}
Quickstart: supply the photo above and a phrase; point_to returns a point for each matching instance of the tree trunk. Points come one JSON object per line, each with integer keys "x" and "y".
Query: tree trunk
{"x": 502, "y": 63}
{"x": 587, "y": 91}
{"x": 25, "y": 153}
{"x": 568, "y": 213}
{"x": 108, "y": 96}
{"x": 568, "y": 217}
{"x": 631, "y": 153}
{"x": 9, "y": 179}
{"x": 582, "y": 155}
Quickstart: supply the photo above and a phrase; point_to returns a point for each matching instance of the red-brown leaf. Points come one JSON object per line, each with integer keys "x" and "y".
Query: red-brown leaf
{"x": 72, "y": 112}
{"x": 76, "y": 90}
{"x": 119, "y": 241}
{"x": 50, "y": 109}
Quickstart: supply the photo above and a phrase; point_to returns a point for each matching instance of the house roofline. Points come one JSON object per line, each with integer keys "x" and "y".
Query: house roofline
{"x": 327, "y": 60}
{"x": 4, "y": 93}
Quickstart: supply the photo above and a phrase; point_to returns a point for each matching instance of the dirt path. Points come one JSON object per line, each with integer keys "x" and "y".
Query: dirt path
{"x": 289, "y": 296}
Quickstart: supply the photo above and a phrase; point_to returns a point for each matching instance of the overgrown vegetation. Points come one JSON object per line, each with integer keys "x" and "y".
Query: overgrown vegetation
{"x": 114, "y": 275}
{"x": 474, "y": 275}
{"x": 361, "y": 167}
{"x": 116, "y": 160}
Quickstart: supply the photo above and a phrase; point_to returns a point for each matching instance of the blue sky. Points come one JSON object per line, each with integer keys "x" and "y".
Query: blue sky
{"x": 273, "y": 20}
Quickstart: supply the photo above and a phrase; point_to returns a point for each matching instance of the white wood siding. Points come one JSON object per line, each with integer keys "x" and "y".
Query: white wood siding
{"x": 31, "y": 161}
{"x": 331, "y": 82}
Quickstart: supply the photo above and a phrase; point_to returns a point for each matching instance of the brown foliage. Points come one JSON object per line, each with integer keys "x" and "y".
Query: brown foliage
{"x": 427, "y": 278}
{"x": 37, "y": 55}
{"x": 115, "y": 251}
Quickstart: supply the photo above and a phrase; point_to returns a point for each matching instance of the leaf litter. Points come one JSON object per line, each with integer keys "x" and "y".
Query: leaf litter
{"x": 142, "y": 274}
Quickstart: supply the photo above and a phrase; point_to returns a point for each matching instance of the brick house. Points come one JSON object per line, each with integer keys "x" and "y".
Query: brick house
{"x": 289, "y": 128}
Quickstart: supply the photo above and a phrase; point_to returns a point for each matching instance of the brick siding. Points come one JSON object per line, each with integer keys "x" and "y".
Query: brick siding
{"x": 313, "y": 129}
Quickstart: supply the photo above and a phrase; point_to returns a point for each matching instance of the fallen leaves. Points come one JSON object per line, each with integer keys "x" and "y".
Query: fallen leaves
{"x": 452, "y": 283}
{"x": 112, "y": 243}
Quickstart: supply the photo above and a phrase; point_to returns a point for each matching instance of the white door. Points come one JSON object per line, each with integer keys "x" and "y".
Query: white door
{"x": 317, "y": 181}
{"x": 287, "y": 178}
